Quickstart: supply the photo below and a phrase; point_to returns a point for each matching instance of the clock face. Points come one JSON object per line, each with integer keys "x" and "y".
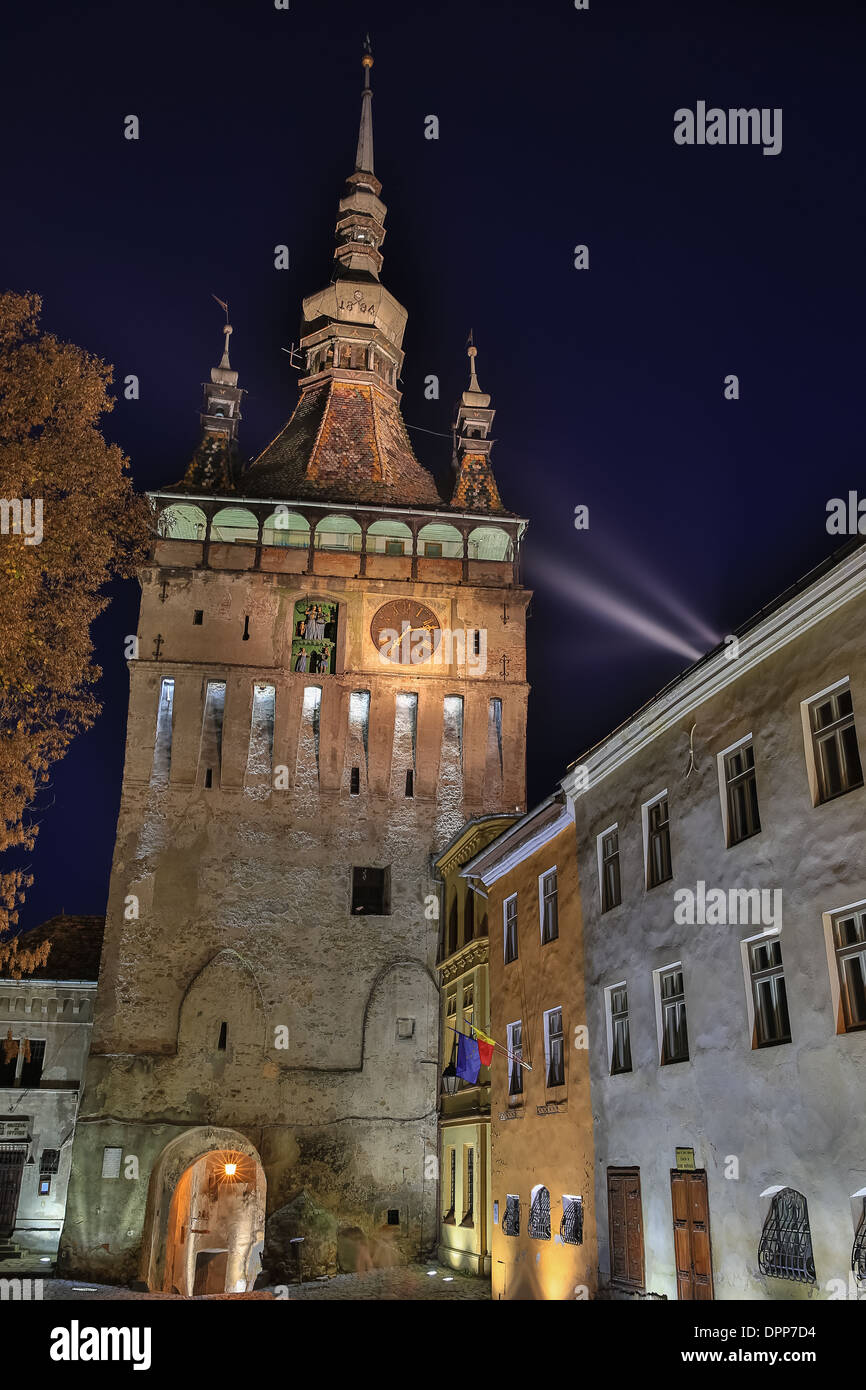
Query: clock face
{"x": 405, "y": 632}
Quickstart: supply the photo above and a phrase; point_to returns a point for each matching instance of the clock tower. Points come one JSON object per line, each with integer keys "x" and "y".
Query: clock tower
{"x": 330, "y": 683}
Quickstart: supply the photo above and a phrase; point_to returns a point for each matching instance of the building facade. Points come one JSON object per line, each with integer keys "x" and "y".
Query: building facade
{"x": 543, "y": 1244}
{"x": 465, "y": 1201}
{"x": 330, "y": 681}
{"x": 723, "y": 881}
{"x": 45, "y": 1024}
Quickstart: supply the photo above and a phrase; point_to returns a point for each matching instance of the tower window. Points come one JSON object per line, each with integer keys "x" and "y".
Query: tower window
{"x": 198, "y": 617}
{"x": 246, "y": 636}
{"x": 208, "y": 777}
{"x": 410, "y": 782}
{"x": 223, "y": 1039}
{"x": 394, "y": 1217}
{"x": 371, "y": 892}
{"x": 355, "y": 781}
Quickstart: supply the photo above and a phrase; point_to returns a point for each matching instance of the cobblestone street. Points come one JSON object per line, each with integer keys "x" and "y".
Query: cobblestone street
{"x": 411, "y": 1283}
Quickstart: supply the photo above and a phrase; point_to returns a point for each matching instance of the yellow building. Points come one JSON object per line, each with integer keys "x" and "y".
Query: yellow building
{"x": 465, "y": 1212}
{"x": 543, "y": 1233}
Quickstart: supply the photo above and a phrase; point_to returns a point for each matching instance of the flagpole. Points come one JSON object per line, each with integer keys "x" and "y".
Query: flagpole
{"x": 500, "y": 1048}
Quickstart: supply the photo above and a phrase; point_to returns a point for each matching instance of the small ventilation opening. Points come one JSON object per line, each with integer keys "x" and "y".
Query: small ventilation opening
{"x": 393, "y": 1217}
{"x": 246, "y": 636}
{"x": 224, "y": 1033}
{"x": 355, "y": 781}
{"x": 477, "y": 641}
{"x": 410, "y": 782}
{"x": 198, "y": 617}
{"x": 208, "y": 777}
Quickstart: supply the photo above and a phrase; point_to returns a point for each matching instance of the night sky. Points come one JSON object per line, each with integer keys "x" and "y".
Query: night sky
{"x": 556, "y": 128}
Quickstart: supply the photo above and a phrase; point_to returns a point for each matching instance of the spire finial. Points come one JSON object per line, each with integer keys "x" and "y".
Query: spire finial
{"x": 225, "y": 363}
{"x": 472, "y": 353}
{"x": 364, "y": 157}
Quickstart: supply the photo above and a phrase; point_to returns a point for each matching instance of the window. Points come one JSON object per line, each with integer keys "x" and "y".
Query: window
{"x": 210, "y": 746}
{"x": 469, "y": 997}
{"x": 469, "y": 915}
{"x": 31, "y": 1068}
{"x": 548, "y": 904}
{"x": 858, "y": 1254}
{"x": 608, "y": 858}
{"x": 554, "y": 1051}
{"x": 741, "y": 794}
{"x": 620, "y": 1040}
{"x": 769, "y": 997}
{"x": 510, "y": 922}
{"x": 50, "y": 1161}
{"x": 371, "y": 892}
{"x": 539, "y": 1214}
{"x": 198, "y": 617}
{"x": 834, "y": 744}
{"x": 452, "y": 926}
{"x": 571, "y": 1225}
{"x": 785, "y": 1250}
{"x": 223, "y": 1037}
{"x": 658, "y": 842}
{"x": 468, "y": 1185}
{"x": 433, "y": 549}
{"x": 672, "y": 1000}
{"x": 44, "y": 1186}
{"x": 515, "y": 1057}
{"x": 355, "y": 782}
{"x": 161, "y": 769}
{"x": 451, "y": 1005}
{"x": 8, "y": 1060}
{"x": 410, "y": 782}
{"x": 394, "y": 547}
{"x": 452, "y": 1170}
{"x": 511, "y": 1224}
{"x": 849, "y": 944}
{"x": 394, "y": 1216}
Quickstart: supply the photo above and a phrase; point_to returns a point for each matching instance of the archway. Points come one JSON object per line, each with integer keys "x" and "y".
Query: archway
{"x": 205, "y": 1214}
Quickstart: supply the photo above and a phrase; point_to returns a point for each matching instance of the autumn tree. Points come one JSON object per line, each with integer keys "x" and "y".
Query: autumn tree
{"x": 69, "y": 522}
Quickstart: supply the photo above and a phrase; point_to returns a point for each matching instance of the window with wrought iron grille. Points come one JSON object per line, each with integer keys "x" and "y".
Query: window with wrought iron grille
{"x": 858, "y": 1254}
{"x": 539, "y": 1214}
{"x": 571, "y": 1225}
{"x": 849, "y": 941}
{"x": 611, "y": 890}
{"x": 510, "y": 926}
{"x": 769, "y": 995}
{"x": 511, "y": 1224}
{"x": 49, "y": 1161}
{"x": 620, "y": 1038}
{"x": 658, "y": 848}
{"x": 741, "y": 789}
{"x": 549, "y": 907}
{"x": 785, "y": 1250}
{"x": 468, "y": 1185}
{"x": 675, "y": 1038}
{"x": 834, "y": 742}
{"x": 515, "y": 1058}
{"x": 554, "y": 1050}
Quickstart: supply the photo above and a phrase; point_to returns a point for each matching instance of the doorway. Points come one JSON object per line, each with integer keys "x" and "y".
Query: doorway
{"x": 211, "y": 1267}
{"x": 692, "y": 1249}
{"x": 11, "y": 1171}
{"x": 625, "y": 1221}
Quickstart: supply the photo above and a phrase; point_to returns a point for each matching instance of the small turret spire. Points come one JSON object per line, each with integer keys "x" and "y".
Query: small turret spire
{"x": 364, "y": 157}
{"x": 474, "y": 486}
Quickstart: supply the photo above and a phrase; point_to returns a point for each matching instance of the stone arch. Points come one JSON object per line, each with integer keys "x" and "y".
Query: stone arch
{"x": 164, "y": 1262}
{"x": 401, "y": 1021}
{"x": 235, "y": 524}
{"x": 490, "y": 543}
{"x": 338, "y": 533}
{"x": 380, "y": 533}
{"x": 225, "y": 991}
{"x": 286, "y": 528}
{"x": 440, "y": 539}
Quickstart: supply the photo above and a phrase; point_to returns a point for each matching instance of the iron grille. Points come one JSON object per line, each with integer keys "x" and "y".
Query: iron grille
{"x": 511, "y": 1224}
{"x": 571, "y": 1225}
{"x": 539, "y": 1215}
{"x": 858, "y": 1254}
{"x": 50, "y": 1161}
{"x": 785, "y": 1251}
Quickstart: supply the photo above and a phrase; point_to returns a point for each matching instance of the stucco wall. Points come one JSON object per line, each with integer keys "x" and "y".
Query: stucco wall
{"x": 786, "y": 1115}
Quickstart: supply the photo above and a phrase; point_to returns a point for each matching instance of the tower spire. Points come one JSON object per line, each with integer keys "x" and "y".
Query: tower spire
{"x": 364, "y": 157}
{"x": 475, "y": 486}
{"x": 214, "y": 466}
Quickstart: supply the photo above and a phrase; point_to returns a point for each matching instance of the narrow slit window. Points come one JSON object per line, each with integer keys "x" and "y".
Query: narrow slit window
{"x": 210, "y": 755}
{"x": 198, "y": 617}
{"x": 260, "y": 755}
{"x": 162, "y": 747}
{"x": 223, "y": 1037}
{"x": 410, "y": 782}
{"x": 355, "y": 782}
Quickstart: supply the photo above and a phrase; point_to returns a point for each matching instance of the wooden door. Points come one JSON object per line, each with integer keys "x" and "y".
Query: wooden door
{"x": 692, "y": 1250}
{"x": 11, "y": 1170}
{"x": 625, "y": 1222}
{"x": 210, "y": 1271}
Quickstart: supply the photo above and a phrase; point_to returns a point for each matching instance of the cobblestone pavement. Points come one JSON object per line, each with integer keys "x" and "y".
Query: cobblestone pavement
{"x": 410, "y": 1283}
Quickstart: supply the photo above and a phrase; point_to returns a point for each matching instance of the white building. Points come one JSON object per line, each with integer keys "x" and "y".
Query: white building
{"x": 723, "y": 883}
{"x": 49, "y": 1015}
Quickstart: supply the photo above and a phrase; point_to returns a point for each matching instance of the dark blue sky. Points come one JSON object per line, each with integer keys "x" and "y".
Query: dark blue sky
{"x": 556, "y": 128}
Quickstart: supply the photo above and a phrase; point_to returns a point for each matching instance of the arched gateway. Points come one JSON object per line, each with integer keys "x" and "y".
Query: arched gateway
{"x": 205, "y": 1218}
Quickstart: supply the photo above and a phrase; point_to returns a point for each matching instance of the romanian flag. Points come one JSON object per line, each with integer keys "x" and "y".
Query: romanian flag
{"x": 485, "y": 1046}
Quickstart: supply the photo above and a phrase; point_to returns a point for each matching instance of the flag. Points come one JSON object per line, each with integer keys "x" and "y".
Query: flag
{"x": 468, "y": 1059}
{"x": 221, "y": 303}
{"x": 485, "y": 1046}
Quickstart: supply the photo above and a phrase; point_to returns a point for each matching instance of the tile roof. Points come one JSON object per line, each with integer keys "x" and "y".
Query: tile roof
{"x": 76, "y": 944}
